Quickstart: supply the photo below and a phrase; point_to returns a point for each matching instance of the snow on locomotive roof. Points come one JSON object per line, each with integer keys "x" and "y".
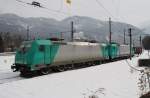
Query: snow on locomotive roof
{"x": 82, "y": 43}
{"x": 124, "y": 45}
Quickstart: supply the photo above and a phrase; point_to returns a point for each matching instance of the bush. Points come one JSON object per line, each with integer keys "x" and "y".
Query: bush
{"x": 147, "y": 95}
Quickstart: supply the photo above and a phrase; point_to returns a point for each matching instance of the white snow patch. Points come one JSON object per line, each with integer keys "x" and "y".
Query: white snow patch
{"x": 6, "y": 74}
{"x": 6, "y": 62}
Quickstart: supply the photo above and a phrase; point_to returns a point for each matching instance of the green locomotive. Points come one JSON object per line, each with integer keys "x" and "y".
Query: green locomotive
{"x": 45, "y": 55}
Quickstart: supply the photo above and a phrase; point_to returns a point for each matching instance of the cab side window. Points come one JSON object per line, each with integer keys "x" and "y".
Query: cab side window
{"x": 41, "y": 48}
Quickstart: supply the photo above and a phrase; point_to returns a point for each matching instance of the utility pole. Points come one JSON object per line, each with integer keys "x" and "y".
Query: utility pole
{"x": 124, "y": 36}
{"x": 72, "y": 31}
{"x": 133, "y": 41}
{"x": 110, "y": 33}
{"x": 140, "y": 40}
{"x": 130, "y": 35}
{"x": 61, "y": 36}
{"x": 27, "y": 32}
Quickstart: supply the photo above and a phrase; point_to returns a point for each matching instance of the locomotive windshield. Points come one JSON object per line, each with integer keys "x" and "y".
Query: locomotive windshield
{"x": 25, "y": 47}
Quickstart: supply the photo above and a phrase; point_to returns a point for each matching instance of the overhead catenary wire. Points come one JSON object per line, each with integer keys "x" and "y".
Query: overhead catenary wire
{"x": 116, "y": 4}
{"x": 21, "y": 1}
{"x": 102, "y": 6}
{"x": 51, "y": 10}
{"x": 107, "y": 11}
{"x": 48, "y": 9}
{"x": 64, "y": 13}
{"x": 118, "y": 13}
{"x": 61, "y": 5}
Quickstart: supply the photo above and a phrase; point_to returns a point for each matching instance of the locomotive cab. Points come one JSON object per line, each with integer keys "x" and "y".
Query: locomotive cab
{"x": 21, "y": 61}
{"x": 33, "y": 55}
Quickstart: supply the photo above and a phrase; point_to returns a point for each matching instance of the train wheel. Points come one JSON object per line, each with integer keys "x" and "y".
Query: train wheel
{"x": 26, "y": 74}
{"x": 61, "y": 68}
{"x": 45, "y": 71}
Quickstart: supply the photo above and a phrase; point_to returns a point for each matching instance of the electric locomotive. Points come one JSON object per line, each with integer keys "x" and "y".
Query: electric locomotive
{"x": 43, "y": 56}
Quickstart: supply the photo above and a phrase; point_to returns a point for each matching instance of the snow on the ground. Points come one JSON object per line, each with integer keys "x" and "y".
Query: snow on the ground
{"x": 6, "y": 62}
{"x": 6, "y": 74}
{"x": 113, "y": 80}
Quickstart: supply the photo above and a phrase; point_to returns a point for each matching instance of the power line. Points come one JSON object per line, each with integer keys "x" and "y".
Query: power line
{"x": 101, "y": 5}
{"x": 108, "y": 12}
{"x": 21, "y": 1}
{"x": 59, "y": 11}
{"x": 116, "y": 6}
{"x": 52, "y": 10}
{"x": 61, "y": 5}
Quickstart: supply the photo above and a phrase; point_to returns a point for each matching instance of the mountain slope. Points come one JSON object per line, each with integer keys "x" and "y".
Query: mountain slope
{"x": 145, "y": 26}
{"x": 93, "y": 29}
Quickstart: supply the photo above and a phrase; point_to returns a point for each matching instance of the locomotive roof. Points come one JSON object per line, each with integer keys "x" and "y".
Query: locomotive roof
{"x": 49, "y": 42}
{"x": 43, "y": 42}
{"x": 81, "y": 43}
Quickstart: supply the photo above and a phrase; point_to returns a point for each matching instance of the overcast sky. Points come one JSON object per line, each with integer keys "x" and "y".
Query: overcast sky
{"x": 130, "y": 11}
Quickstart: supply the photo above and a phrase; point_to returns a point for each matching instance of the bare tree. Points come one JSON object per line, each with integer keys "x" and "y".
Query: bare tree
{"x": 1, "y": 44}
